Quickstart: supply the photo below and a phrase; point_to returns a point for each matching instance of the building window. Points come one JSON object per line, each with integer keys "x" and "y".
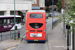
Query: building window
{"x": 1, "y": 12}
{"x": 34, "y": 1}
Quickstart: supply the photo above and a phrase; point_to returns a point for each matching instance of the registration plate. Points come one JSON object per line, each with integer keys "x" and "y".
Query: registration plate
{"x": 35, "y": 40}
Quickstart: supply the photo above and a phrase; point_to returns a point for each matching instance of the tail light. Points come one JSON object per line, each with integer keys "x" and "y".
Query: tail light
{"x": 44, "y": 30}
{"x": 39, "y": 30}
{"x": 32, "y": 30}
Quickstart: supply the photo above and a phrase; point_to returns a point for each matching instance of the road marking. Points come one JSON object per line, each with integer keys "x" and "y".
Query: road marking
{"x": 48, "y": 30}
{"x": 11, "y": 48}
{"x": 21, "y": 42}
{"x": 23, "y": 34}
{"x": 46, "y": 46}
{"x": 49, "y": 46}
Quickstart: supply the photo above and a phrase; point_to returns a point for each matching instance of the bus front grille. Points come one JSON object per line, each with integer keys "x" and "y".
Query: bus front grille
{"x": 39, "y": 30}
{"x": 32, "y": 30}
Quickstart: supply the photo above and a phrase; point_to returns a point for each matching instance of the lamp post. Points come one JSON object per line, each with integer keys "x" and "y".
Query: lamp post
{"x": 52, "y": 12}
{"x": 63, "y": 7}
{"x": 14, "y": 22}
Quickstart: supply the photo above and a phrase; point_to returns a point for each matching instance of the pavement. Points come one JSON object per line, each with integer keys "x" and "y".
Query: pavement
{"x": 4, "y": 45}
{"x": 56, "y": 39}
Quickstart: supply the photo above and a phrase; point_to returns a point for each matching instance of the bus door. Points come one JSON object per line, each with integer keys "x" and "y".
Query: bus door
{"x": 1, "y": 23}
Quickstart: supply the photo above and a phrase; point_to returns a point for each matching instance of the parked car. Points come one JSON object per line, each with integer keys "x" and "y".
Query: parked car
{"x": 50, "y": 14}
{"x": 46, "y": 17}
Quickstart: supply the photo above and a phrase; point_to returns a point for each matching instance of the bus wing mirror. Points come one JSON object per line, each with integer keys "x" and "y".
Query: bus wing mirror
{"x": 46, "y": 22}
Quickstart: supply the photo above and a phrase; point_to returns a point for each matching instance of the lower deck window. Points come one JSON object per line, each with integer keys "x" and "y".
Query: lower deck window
{"x": 7, "y": 21}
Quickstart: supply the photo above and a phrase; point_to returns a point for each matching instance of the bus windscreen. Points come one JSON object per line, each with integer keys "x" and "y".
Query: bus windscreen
{"x": 36, "y": 16}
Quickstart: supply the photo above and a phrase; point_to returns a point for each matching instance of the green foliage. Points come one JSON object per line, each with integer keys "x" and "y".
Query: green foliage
{"x": 70, "y": 13}
{"x": 59, "y": 4}
{"x": 47, "y": 9}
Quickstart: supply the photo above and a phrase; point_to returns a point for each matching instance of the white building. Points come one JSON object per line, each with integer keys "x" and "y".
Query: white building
{"x": 7, "y": 6}
{"x": 21, "y": 6}
{"x": 38, "y": 4}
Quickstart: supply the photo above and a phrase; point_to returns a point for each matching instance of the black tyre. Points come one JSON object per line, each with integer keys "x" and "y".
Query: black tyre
{"x": 15, "y": 27}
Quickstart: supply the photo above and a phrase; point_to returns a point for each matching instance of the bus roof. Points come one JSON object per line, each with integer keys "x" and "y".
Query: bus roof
{"x": 36, "y": 11}
{"x": 8, "y": 16}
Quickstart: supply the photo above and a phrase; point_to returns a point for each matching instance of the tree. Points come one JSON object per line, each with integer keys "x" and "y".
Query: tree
{"x": 70, "y": 13}
{"x": 59, "y": 4}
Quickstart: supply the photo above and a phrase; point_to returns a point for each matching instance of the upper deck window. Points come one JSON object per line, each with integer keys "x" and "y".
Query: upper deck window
{"x": 36, "y": 15}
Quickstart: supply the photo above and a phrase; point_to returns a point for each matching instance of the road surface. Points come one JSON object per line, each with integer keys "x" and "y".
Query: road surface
{"x": 35, "y": 45}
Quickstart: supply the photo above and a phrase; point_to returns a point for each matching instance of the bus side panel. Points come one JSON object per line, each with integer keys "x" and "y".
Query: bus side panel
{"x": 6, "y": 28}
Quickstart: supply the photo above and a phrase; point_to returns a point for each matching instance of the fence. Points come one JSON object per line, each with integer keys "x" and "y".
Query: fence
{"x": 55, "y": 22}
{"x": 9, "y": 35}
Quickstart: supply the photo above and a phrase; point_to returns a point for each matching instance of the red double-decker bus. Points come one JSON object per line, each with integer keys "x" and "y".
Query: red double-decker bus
{"x": 36, "y": 25}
